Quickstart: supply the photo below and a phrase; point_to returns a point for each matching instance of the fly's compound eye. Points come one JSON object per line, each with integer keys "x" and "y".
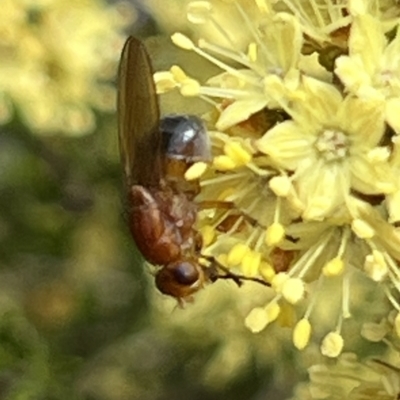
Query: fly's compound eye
{"x": 186, "y": 273}
{"x": 184, "y": 137}
{"x": 179, "y": 279}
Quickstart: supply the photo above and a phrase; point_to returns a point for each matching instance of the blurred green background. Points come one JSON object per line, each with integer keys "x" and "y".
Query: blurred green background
{"x": 80, "y": 317}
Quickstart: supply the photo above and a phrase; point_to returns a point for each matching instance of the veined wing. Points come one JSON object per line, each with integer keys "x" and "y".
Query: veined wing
{"x": 138, "y": 117}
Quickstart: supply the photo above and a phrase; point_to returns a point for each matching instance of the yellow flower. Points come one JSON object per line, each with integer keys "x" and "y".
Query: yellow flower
{"x": 57, "y": 62}
{"x": 270, "y": 68}
{"x": 372, "y": 68}
{"x": 351, "y": 379}
{"x": 332, "y": 146}
{"x": 305, "y": 176}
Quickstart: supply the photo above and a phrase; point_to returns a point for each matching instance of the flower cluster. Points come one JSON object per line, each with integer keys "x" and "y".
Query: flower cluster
{"x": 351, "y": 379}
{"x": 359, "y": 379}
{"x": 305, "y": 123}
{"x": 57, "y": 62}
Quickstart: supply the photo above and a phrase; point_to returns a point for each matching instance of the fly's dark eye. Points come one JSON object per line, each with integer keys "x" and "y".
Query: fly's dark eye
{"x": 179, "y": 279}
{"x": 184, "y": 137}
{"x": 185, "y": 273}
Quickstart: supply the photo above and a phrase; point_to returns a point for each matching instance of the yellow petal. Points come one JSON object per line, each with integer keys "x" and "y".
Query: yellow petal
{"x": 393, "y": 113}
{"x": 239, "y": 111}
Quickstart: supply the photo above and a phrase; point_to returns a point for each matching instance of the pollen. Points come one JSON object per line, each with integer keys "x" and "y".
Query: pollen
{"x": 362, "y": 229}
{"x": 198, "y": 12}
{"x": 302, "y": 334}
{"x": 164, "y": 81}
{"x": 208, "y": 235}
{"x": 178, "y": 74}
{"x": 237, "y": 254}
{"x": 279, "y": 280}
{"x": 280, "y": 185}
{"x": 333, "y": 267}
{"x": 293, "y": 290}
{"x": 332, "y": 145}
{"x": 237, "y": 153}
{"x": 190, "y": 88}
{"x": 260, "y": 317}
{"x": 332, "y": 345}
{"x": 267, "y": 271}
{"x": 223, "y": 163}
{"x": 251, "y": 263}
{"x": 252, "y": 52}
{"x": 182, "y": 41}
{"x": 195, "y": 171}
{"x": 257, "y": 319}
{"x": 273, "y": 311}
{"x": 378, "y": 155}
{"x": 375, "y": 266}
{"x": 275, "y": 233}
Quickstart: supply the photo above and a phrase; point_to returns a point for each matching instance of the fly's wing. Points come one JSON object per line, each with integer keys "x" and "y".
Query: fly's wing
{"x": 138, "y": 117}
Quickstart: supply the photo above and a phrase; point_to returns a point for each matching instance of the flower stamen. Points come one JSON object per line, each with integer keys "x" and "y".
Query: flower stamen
{"x": 253, "y": 31}
{"x": 332, "y": 145}
{"x": 302, "y": 266}
{"x": 185, "y": 43}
